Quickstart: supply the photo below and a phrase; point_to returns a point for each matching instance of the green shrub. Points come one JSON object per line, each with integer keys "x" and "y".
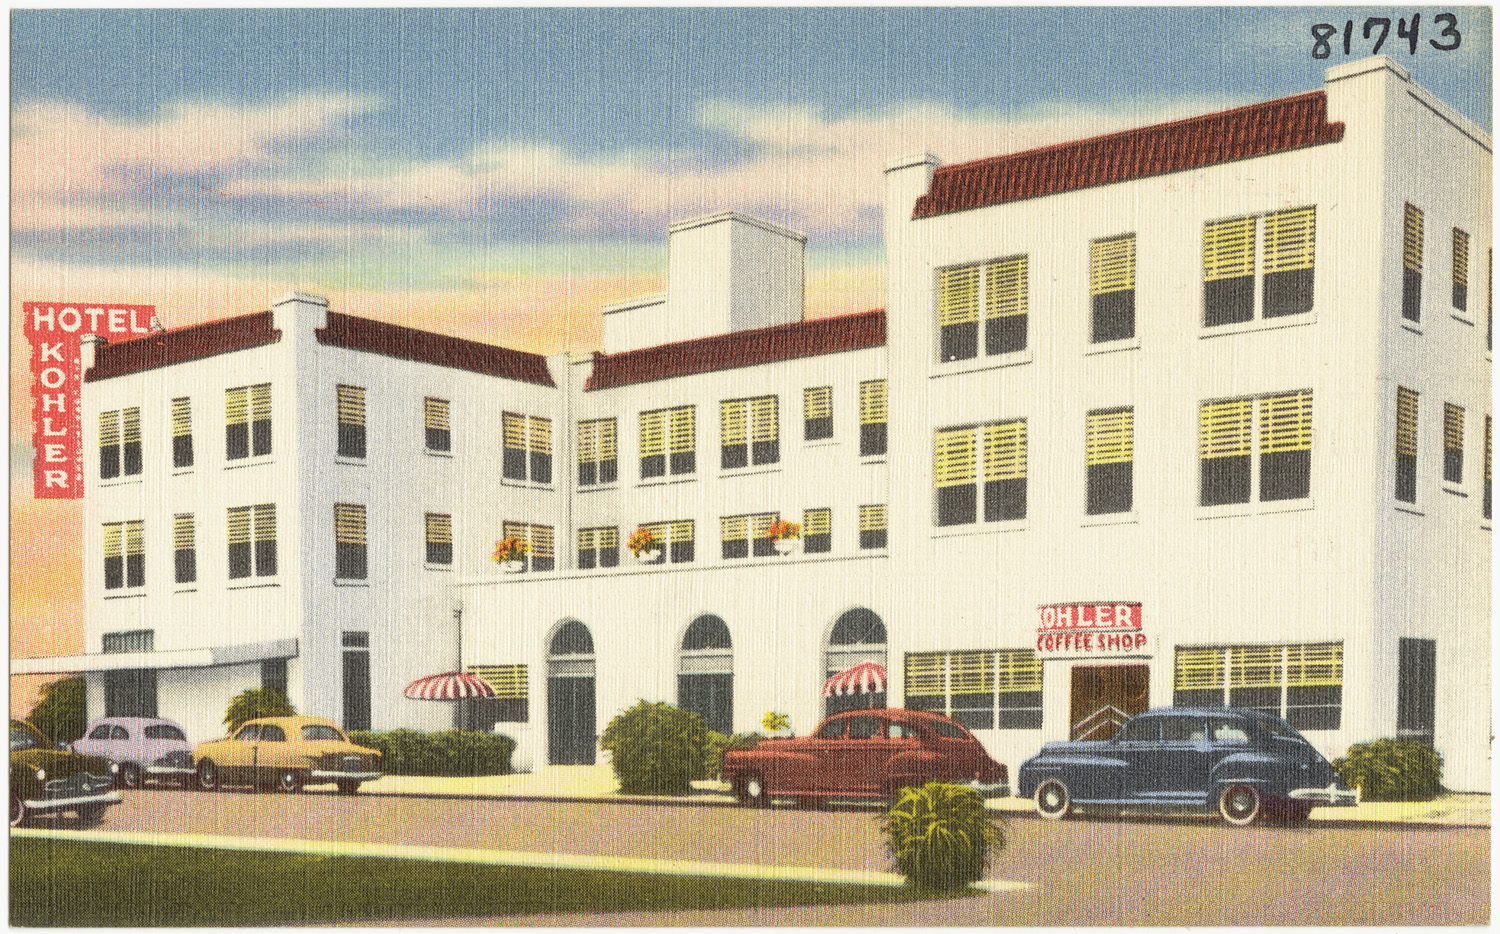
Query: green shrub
{"x": 941, "y": 836}
{"x": 61, "y": 714}
{"x": 712, "y": 762}
{"x": 1392, "y": 770}
{"x": 453, "y": 753}
{"x": 657, "y": 748}
{"x": 253, "y": 703}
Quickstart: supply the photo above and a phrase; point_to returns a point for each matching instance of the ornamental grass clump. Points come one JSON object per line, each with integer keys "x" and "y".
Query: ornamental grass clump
{"x": 941, "y": 836}
{"x": 656, "y": 748}
{"x": 1392, "y": 770}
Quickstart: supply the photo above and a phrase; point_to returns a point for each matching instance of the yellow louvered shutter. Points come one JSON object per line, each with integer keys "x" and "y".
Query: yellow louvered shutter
{"x": 953, "y": 457}
{"x": 113, "y": 538}
{"x": 1286, "y": 422}
{"x": 1228, "y": 249}
{"x": 587, "y": 539}
{"x": 734, "y": 528}
{"x": 1005, "y": 451}
{"x": 516, "y": 530}
{"x": 1406, "y": 421}
{"x": 1199, "y": 668}
{"x": 1112, "y": 265}
{"x": 872, "y": 518}
{"x": 435, "y": 414}
{"x": 509, "y": 681}
{"x": 958, "y": 295}
{"x": 1453, "y": 427}
{"x": 872, "y": 402}
{"x": 1018, "y": 670}
{"x": 135, "y": 538}
{"x": 237, "y": 406}
{"x": 653, "y": 433}
{"x": 817, "y": 521}
{"x": 184, "y": 535}
{"x": 1005, "y": 287}
{"x": 1224, "y": 428}
{"x": 182, "y": 418}
{"x": 130, "y": 426}
{"x": 1460, "y": 258}
{"x": 764, "y": 419}
{"x": 608, "y": 538}
{"x": 683, "y": 427}
{"x": 761, "y": 521}
{"x": 349, "y": 524}
{"x": 817, "y": 402}
{"x": 732, "y": 422}
{"x": 971, "y": 673}
{"x": 265, "y": 522}
{"x": 1316, "y": 665}
{"x": 1255, "y": 666}
{"x": 924, "y": 674}
{"x": 439, "y": 529}
{"x": 1111, "y": 437}
{"x": 541, "y": 435}
{"x": 608, "y": 440}
{"x": 682, "y": 531}
{"x": 260, "y": 402}
{"x": 239, "y": 525}
{"x": 1289, "y": 240}
{"x": 588, "y": 442}
{"x": 513, "y": 430}
{"x": 109, "y": 429}
{"x": 1411, "y": 239}
{"x": 540, "y": 538}
{"x": 351, "y": 405}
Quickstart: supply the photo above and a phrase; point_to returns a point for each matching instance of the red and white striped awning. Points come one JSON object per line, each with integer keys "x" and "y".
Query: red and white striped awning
{"x": 450, "y": 685}
{"x": 864, "y": 678}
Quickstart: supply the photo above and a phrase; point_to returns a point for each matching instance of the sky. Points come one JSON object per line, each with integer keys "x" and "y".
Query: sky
{"x": 501, "y": 174}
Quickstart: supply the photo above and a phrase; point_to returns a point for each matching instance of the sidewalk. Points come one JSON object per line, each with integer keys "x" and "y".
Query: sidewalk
{"x": 598, "y": 782}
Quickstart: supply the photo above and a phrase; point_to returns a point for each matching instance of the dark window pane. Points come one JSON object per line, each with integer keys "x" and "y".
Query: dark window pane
{"x": 513, "y": 464}
{"x": 1411, "y": 295}
{"x": 1228, "y": 301}
{"x": 1416, "y": 688}
{"x": 684, "y": 462}
{"x": 654, "y": 465}
{"x": 609, "y": 470}
{"x": 439, "y": 552}
{"x": 265, "y": 558}
{"x": 114, "y": 573}
{"x": 734, "y": 455}
{"x": 239, "y": 560}
{"x": 957, "y": 505}
{"x": 182, "y": 451}
{"x": 736, "y": 548}
{"x": 261, "y": 437}
{"x": 349, "y": 561}
{"x": 109, "y": 461}
{"x": 1460, "y": 296}
{"x": 272, "y": 675}
{"x": 1223, "y": 480}
{"x": 765, "y": 452}
{"x": 1020, "y": 718}
{"x": 588, "y": 473}
{"x": 682, "y": 552}
{"x": 1005, "y": 335}
{"x": 1206, "y": 697}
{"x": 587, "y": 558}
{"x": 543, "y": 563}
{"x": 135, "y": 570}
{"x": 132, "y": 458}
{"x": 872, "y": 538}
{"x": 1114, "y": 316}
{"x": 1109, "y": 488}
{"x": 711, "y": 696}
{"x": 351, "y": 440}
{"x": 960, "y": 341}
{"x": 185, "y": 566}
{"x": 1314, "y": 708}
{"x": 933, "y": 702}
{"x": 237, "y": 441}
{"x": 763, "y": 547}
{"x": 438, "y": 439}
{"x": 1285, "y": 475}
{"x": 1406, "y": 478}
{"x": 1004, "y": 499}
{"x": 974, "y": 719}
{"x": 817, "y": 429}
{"x": 357, "y": 690}
{"x": 817, "y": 543}
{"x": 871, "y": 439}
{"x": 1287, "y": 293}
{"x": 1453, "y": 465}
{"x": 609, "y": 557}
{"x": 1264, "y": 699}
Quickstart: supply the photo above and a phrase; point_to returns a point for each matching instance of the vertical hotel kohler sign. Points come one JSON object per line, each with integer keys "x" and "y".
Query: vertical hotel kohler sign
{"x": 55, "y": 331}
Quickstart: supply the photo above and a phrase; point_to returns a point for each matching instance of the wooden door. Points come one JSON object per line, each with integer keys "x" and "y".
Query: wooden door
{"x": 1105, "y": 696}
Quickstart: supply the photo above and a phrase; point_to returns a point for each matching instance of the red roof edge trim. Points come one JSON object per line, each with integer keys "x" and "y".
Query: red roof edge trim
{"x": 1266, "y": 128}
{"x": 404, "y": 343}
{"x": 180, "y": 345}
{"x": 739, "y": 349}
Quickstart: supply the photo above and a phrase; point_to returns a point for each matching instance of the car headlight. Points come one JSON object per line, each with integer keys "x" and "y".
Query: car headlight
{"x": 114, "y": 767}
{"x": 41, "y": 775}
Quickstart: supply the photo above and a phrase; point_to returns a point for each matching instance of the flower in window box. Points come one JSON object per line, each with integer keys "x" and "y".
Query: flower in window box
{"x": 510, "y": 553}
{"x": 784, "y": 535}
{"x": 643, "y": 544}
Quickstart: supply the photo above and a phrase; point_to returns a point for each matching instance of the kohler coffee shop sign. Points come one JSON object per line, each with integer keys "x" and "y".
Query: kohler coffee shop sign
{"x": 1090, "y": 630}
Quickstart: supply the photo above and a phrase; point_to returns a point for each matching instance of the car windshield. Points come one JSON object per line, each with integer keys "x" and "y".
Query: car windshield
{"x": 162, "y": 731}
{"x": 321, "y": 731}
{"x": 101, "y": 731}
{"x": 832, "y": 730}
{"x": 248, "y": 733}
{"x": 23, "y": 739}
{"x": 944, "y": 728}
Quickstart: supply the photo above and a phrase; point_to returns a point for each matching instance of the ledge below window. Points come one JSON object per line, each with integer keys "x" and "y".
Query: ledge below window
{"x": 1124, "y": 343}
{"x": 337, "y": 582}
{"x": 979, "y": 528}
{"x": 1454, "y": 489}
{"x": 242, "y": 462}
{"x": 1410, "y": 509}
{"x": 1271, "y": 508}
{"x": 1110, "y": 518}
{"x": 750, "y": 471}
{"x": 976, "y": 364}
{"x": 252, "y": 586}
{"x": 1258, "y": 324}
{"x": 126, "y": 596}
{"x": 351, "y": 461}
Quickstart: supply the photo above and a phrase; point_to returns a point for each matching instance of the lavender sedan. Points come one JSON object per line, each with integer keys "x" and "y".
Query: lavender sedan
{"x": 146, "y": 748}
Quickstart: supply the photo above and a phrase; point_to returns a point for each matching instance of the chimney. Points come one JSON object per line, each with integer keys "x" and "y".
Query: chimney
{"x": 88, "y": 349}
{"x": 299, "y": 313}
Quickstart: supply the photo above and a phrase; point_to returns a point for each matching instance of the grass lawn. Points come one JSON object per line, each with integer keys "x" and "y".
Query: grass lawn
{"x": 64, "y": 883}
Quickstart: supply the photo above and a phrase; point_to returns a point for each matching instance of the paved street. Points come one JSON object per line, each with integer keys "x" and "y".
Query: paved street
{"x": 1139, "y": 871}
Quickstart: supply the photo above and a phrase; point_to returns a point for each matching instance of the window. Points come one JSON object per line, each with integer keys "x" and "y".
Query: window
{"x": 599, "y": 547}
{"x": 273, "y": 675}
{"x": 124, "y": 554}
{"x": 509, "y": 705}
{"x": 1453, "y": 443}
{"x": 1112, "y": 288}
{"x": 119, "y": 443}
{"x": 872, "y": 418}
{"x": 749, "y": 432}
{"x": 676, "y": 536}
{"x": 184, "y": 548}
{"x": 356, "y": 672}
{"x": 252, "y": 541}
{"x": 439, "y": 529}
{"x": 182, "y": 433}
{"x": 872, "y": 526}
{"x": 668, "y": 442}
{"x": 133, "y": 640}
{"x": 817, "y": 413}
{"x": 1460, "y": 270}
{"x": 817, "y": 530}
{"x": 350, "y": 561}
{"x": 998, "y": 287}
{"x": 1406, "y": 445}
{"x": 1227, "y": 431}
{"x": 1301, "y": 683}
{"x": 1110, "y": 456}
{"x": 742, "y": 536}
{"x": 955, "y": 472}
{"x": 247, "y": 419}
{"x": 528, "y": 448}
{"x": 1416, "y": 689}
{"x": 1411, "y": 264}
{"x": 598, "y": 452}
{"x": 540, "y": 553}
{"x": 982, "y": 690}
{"x": 351, "y": 414}
{"x": 1285, "y": 266}
{"x": 439, "y": 434}
{"x": 705, "y": 673}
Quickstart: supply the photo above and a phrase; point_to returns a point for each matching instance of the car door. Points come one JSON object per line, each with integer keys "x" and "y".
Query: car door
{"x": 271, "y": 751}
{"x": 236, "y": 758}
{"x": 823, "y": 759}
{"x": 1134, "y": 747}
{"x": 857, "y": 759}
{"x": 1177, "y": 772}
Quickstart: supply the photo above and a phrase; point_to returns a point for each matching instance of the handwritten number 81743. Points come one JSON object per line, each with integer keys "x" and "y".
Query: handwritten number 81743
{"x": 1379, "y": 28}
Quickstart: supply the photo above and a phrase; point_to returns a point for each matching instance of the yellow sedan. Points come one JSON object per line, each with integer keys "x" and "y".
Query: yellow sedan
{"x": 286, "y": 752}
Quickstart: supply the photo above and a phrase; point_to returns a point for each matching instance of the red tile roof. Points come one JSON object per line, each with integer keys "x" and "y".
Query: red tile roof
{"x": 403, "y": 343}
{"x": 1260, "y": 129}
{"x": 165, "y": 348}
{"x": 739, "y": 349}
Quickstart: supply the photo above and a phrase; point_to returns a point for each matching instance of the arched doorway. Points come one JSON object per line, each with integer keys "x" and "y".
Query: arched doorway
{"x": 571, "y": 725}
{"x": 857, "y": 636}
{"x": 705, "y": 673}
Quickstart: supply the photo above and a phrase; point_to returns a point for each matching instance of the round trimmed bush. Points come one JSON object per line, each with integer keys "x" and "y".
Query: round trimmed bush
{"x": 657, "y": 748}
{"x": 1392, "y": 770}
{"x": 941, "y": 836}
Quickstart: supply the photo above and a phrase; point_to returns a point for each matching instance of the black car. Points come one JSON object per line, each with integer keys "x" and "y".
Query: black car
{"x": 47, "y": 780}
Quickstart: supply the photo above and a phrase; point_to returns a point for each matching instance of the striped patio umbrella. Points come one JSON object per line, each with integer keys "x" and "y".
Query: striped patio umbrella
{"x": 864, "y": 678}
{"x": 450, "y": 685}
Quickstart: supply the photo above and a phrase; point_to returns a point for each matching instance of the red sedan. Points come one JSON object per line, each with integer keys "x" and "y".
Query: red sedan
{"x": 864, "y": 754}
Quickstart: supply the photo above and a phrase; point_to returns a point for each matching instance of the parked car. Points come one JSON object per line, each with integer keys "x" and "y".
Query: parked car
{"x": 47, "y": 780}
{"x": 145, "y": 748}
{"x": 287, "y": 752}
{"x": 863, "y": 754}
{"x": 1246, "y": 763}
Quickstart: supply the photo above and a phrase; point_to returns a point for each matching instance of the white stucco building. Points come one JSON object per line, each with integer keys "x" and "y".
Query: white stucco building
{"x": 1198, "y": 412}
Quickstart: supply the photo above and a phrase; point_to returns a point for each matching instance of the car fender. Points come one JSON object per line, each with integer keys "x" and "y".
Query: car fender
{"x": 1252, "y": 767}
{"x": 1087, "y": 772}
{"x": 781, "y": 768}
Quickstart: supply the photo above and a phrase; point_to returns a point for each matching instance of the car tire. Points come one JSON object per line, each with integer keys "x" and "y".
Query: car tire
{"x": 208, "y": 776}
{"x": 289, "y": 781}
{"x": 130, "y": 776}
{"x": 347, "y": 786}
{"x": 1291, "y": 811}
{"x": 91, "y": 815}
{"x": 18, "y": 812}
{"x": 1053, "y": 800}
{"x": 1241, "y": 804}
{"x": 752, "y": 791}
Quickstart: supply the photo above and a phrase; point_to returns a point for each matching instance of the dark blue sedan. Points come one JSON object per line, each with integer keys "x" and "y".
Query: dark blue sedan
{"x": 1246, "y": 763}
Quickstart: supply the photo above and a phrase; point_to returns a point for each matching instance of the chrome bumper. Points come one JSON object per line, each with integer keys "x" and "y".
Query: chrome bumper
{"x": 169, "y": 770}
{"x": 1332, "y": 796}
{"x": 63, "y": 804}
{"x": 322, "y": 775}
{"x": 997, "y": 790}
